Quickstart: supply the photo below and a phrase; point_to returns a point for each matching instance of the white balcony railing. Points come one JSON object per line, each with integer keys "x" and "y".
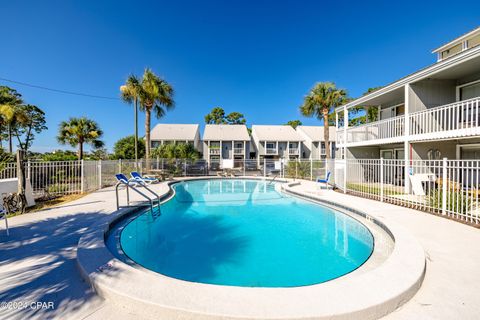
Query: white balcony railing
{"x": 271, "y": 151}
{"x": 238, "y": 150}
{"x": 384, "y": 129}
{"x": 457, "y": 119}
{"x": 293, "y": 151}
{"x": 214, "y": 150}
{"x": 455, "y": 116}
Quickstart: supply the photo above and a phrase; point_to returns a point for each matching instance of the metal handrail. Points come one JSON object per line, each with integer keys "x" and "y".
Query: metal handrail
{"x": 127, "y": 185}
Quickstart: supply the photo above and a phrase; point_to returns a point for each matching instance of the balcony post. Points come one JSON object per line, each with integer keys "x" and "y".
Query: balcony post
{"x": 406, "y": 147}
{"x": 345, "y": 127}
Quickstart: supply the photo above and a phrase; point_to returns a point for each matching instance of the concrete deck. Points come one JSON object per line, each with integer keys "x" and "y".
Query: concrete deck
{"x": 37, "y": 261}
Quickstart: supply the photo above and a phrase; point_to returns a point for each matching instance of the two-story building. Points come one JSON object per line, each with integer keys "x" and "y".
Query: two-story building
{"x": 427, "y": 115}
{"x": 164, "y": 133}
{"x": 314, "y": 146}
{"x": 226, "y": 146}
{"x": 276, "y": 142}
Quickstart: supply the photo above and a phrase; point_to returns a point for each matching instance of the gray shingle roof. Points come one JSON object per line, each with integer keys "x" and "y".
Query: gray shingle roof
{"x": 164, "y": 131}
{"x": 315, "y": 133}
{"x": 276, "y": 133}
{"x": 226, "y": 132}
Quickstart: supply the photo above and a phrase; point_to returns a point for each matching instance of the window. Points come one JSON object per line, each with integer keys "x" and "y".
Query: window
{"x": 452, "y": 51}
{"x": 270, "y": 145}
{"x": 469, "y": 92}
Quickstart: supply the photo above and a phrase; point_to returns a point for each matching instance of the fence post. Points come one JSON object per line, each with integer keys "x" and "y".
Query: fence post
{"x": 100, "y": 174}
{"x": 296, "y": 169}
{"x": 381, "y": 179}
{"x": 264, "y": 167}
{"x": 119, "y": 165}
{"x": 311, "y": 169}
{"x": 185, "y": 168}
{"x": 444, "y": 187}
{"x": 82, "y": 173}
{"x": 244, "y": 165}
{"x": 345, "y": 174}
{"x": 29, "y": 171}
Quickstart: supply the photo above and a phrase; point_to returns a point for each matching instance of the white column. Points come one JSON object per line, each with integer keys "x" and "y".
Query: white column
{"x": 407, "y": 139}
{"x": 221, "y": 154}
{"x": 345, "y": 127}
{"x": 288, "y": 150}
{"x": 233, "y": 149}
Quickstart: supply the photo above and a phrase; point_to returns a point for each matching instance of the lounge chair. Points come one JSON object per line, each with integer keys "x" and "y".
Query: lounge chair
{"x": 143, "y": 180}
{"x": 325, "y": 181}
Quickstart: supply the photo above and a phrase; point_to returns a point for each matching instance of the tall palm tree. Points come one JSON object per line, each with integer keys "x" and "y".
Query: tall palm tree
{"x": 131, "y": 92}
{"x": 319, "y": 102}
{"x": 10, "y": 112}
{"x": 156, "y": 95}
{"x": 78, "y": 131}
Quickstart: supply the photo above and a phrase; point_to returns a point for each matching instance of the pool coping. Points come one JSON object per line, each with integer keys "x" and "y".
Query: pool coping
{"x": 368, "y": 295}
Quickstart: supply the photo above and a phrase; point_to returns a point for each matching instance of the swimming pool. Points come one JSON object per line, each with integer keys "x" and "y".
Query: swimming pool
{"x": 245, "y": 233}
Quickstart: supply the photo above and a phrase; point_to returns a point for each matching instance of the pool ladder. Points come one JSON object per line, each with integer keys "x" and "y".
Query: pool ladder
{"x": 271, "y": 181}
{"x": 150, "y": 200}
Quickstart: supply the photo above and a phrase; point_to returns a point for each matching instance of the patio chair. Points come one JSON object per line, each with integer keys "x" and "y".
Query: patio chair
{"x": 143, "y": 180}
{"x": 125, "y": 181}
{"x": 325, "y": 181}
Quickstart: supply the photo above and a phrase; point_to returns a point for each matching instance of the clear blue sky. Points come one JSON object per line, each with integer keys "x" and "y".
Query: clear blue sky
{"x": 256, "y": 57}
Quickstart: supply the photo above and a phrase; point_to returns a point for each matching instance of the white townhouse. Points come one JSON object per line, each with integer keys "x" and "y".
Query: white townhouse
{"x": 430, "y": 114}
{"x": 164, "y": 133}
{"x": 276, "y": 142}
{"x": 314, "y": 144}
{"x": 226, "y": 145}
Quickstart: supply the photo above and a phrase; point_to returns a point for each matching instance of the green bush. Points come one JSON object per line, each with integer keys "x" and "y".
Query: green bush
{"x": 298, "y": 170}
{"x": 456, "y": 201}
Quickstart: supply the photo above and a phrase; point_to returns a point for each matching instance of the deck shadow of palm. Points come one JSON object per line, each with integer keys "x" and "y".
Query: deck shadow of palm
{"x": 187, "y": 245}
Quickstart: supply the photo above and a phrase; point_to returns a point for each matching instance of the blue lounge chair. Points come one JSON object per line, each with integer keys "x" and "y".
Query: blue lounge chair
{"x": 142, "y": 180}
{"x": 325, "y": 181}
{"x": 123, "y": 179}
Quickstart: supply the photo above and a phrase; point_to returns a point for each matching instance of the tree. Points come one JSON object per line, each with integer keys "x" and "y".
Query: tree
{"x": 235, "y": 118}
{"x": 157, "y": 96}
{"x": 33, "y": 122}
{"x": 59, "y": 155}
{"x": 216, "y": 116}
{"x": 78, "y": 131}
{"x": 131, "y": 91}
{"x": 10, "y": 112}
{"x": 125, "y": 148}
{"x": 294, "y": 123}
{"x": 178, "y": 151}
{"x": 322, "y": 99}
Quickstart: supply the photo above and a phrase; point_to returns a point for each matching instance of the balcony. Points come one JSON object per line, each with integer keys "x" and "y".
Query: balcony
{"x": 271, "y": 151}
{"x": 214, "y": 151}
{"x": 238, "y": 150}
{"x": 389, "y": 130}
{"x": 293, "y": 151}
{"x": 455, "y": 120}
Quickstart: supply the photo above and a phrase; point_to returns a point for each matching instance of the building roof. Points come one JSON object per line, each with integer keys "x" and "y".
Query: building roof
{"x": 180, "y": 132}
{"x": 226, "y": 132}
{"x": 315, "y": 133}
{"x": 276, "y": 133}
{"x": 457, "y": 40}
{"x": 470, "y": 55}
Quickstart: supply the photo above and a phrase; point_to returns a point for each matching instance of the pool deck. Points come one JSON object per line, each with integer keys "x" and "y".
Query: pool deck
{"x": 38, "y": 260}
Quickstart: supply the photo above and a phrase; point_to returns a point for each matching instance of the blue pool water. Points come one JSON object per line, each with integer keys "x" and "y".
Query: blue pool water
{"x": 245, "y": 233}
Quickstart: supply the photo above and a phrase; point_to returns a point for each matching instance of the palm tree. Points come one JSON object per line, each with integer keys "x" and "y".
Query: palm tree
{"x": 77, "y": 131}
{"x": 156, "y": 93}
{"x": 319, "y": 102}
{"x": 131, "y": 92}
{"x": 10, "y": 112}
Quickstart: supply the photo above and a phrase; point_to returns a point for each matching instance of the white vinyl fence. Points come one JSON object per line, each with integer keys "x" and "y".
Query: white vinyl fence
{"x": 446, "y": 187}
